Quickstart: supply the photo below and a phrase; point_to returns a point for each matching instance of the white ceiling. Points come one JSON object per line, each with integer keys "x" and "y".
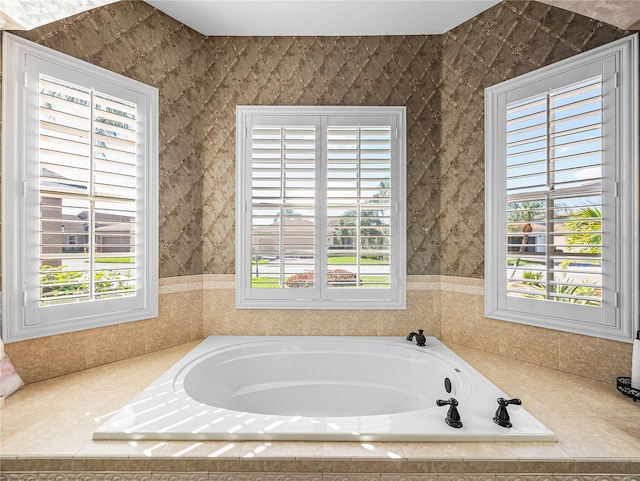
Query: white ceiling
{"x": 321, "y": 17}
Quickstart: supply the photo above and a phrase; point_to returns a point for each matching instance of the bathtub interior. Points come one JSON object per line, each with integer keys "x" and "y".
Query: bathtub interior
{"x": 316, "y": 378}
{"x": 319, "y": 388}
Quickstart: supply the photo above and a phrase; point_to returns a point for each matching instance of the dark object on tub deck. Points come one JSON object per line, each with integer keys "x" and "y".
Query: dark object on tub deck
{"x": 623, "y": 384}
{"x": 420, "y": 339}
{"x": 453, "y": 416}
{"x": 502, "y": 415}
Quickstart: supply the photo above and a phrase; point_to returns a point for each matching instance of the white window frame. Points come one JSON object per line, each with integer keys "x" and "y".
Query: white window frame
{"x": 321, "y": 298}
{"x": 23, "y": 317}
{"x": 618, "y": 61}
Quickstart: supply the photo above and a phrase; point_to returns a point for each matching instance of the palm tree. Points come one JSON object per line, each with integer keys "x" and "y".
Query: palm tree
{"x": 524, "y": 212}
{"x": 586, "y": 230}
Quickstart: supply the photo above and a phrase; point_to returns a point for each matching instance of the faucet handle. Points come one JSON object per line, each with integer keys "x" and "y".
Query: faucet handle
{"x": 453, "y": 416}
{"x": 502, "y": 415}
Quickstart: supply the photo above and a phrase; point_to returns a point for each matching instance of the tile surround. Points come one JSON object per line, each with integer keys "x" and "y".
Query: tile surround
{"x": 34, "y": 417}
{"x": 206, "y": 476}
{"x": 193, "y": 307}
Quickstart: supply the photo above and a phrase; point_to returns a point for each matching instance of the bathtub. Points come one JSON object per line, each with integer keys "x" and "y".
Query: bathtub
{"x": 319, "y": 388}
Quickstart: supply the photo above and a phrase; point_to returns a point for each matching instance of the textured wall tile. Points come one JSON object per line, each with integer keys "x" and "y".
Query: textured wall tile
{"x": 47, "y": 357}
{"x": 237, "y": 477}
{"x": 134, "y": 39}
{"x": 507, "y": 40}
{"x": 408, "y": 477}
{"x": 466, "y": 477}
{"x": 440, "y": 79}
{"x": 308, "y": 70}
{"x": 180, "y": 477}
{"x": 524, "y": 477}
{"x": 83, "y": 476}
{"x": 531, "y": 344}
{"x": 294, "y": 477}
{"x": 351, "y": 477}
{"x": 113, "y": 343}
{"x": 595, "y": 477}
{"x": 578, "y": 355}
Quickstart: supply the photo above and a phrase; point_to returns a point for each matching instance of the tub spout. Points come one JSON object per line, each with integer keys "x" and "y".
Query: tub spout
{"x": 419, "y": 336}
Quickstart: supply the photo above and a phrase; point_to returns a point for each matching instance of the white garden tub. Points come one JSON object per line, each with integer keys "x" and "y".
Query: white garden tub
{"x": 319, "y": 388}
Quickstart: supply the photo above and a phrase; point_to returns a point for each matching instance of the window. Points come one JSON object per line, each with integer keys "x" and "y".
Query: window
{"x": 562, "y": 193}
{"x": 79, "y": 192}
{"x": 320, "y": 215}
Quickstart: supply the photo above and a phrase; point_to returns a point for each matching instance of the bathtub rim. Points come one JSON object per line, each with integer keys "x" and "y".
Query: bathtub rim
{"x": 447, "y": 435}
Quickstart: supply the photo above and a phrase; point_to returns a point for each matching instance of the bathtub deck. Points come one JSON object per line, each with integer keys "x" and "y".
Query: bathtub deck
{"x": 297, "y": 388}
{"x": 47, "y": 427}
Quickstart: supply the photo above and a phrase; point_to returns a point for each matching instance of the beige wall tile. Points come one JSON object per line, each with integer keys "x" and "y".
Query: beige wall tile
{"x": 174, "y": 324}
{"x": 531, "y": 344}
{"x": 47, "y": 357}
{"x": 462, "y": 321}
{"x": 114, "y": 343}
{"x": 189, "y": 313}
{"x": 218, "y": 304}
{"x": 594, "y": 358}
{"x": 323, "y": 323}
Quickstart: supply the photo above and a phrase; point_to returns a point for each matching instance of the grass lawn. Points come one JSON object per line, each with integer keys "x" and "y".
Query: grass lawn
{"x": 524, "y": 262}
{"x": 351, "y": 260}
{"x": 114, "y": 260}
{"x": 381, "y": 282}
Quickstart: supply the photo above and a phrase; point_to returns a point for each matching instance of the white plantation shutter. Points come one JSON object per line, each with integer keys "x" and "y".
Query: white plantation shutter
{"x": 83, "y": 164}
{"x": 561, "y": 195}
{"x": 283, "y": 179}
{"x": 87, "y": 166}
{"x": 319, "y": 223}
{"x": 359, "y": 170}
{"x": 554, "y": 180}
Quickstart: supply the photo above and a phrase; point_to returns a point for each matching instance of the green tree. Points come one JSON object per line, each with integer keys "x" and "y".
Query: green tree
{"x": 372, "y": 228}
{"x": 585, "y": 230}
{"x": 525, "y": 211}
{"x": 286, "y": 214}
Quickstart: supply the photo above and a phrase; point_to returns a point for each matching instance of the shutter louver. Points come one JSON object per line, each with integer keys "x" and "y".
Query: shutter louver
{"x": 87, "y": 168}
{"x": 554, "y": 195}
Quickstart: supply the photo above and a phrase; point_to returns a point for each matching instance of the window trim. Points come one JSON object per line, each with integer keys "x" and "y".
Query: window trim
{"x": 243, "y": 190}
{"x": 14, "y": 233}
{"x": 625, "y": 53}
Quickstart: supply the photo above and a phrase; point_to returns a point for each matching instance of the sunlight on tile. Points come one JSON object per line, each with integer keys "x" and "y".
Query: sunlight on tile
{"x": 186, "y": 450}
{"x": 149, "y": 451}
{"x": 222, "y": 450}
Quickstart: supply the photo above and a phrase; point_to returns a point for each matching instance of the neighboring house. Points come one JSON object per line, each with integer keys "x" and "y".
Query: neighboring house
{"x": 65, "y": 233}
{"x": 299, "y": 236}
{"x": 297, "y": 231}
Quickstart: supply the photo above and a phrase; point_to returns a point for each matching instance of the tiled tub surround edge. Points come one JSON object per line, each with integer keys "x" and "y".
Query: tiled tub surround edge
{"x": 193, "y": 307}
{"x": 455, "y": 474}
{"x": 47, "y": 426}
